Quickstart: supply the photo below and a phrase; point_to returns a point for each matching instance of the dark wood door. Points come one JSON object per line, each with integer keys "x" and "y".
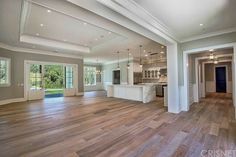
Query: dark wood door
{"x": 221, "y": 79}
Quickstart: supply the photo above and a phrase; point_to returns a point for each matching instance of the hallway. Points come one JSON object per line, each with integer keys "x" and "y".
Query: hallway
{"x": 101, "y": 126}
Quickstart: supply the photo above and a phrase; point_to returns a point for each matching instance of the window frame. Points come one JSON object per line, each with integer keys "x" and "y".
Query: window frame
{"x": 8, "y": 60}
{"x": 95, "y": 76}
{"x": 72, "y": 77}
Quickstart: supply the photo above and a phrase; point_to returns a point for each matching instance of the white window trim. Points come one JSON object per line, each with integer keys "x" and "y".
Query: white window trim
{"x": 8, "y": 72}
{"x": 85, "y": 85}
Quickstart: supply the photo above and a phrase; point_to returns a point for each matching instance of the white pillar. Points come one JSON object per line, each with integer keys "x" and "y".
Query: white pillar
{"x": 185, "y": 92}
{"x": 234, "y": 77}
{"x": 172, "y": 74}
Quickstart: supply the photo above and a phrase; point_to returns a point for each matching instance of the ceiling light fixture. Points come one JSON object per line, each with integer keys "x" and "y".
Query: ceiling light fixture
{"x": 85, "y": 23}
{"x": 37, "y": 34}
{"x": 49, "y": 11}
{"x": 211, "y": 50}
{"x": 109, "y": 32}
{"x": 41, "y": 25}
{"x": 96, "y": 39}
{"x": 211, "y": 56}
{"x": 140, "y": 59}
{"x": 162, "y": 52}
{"x": 146, "y": 55}
{"x": 201, "y": 24}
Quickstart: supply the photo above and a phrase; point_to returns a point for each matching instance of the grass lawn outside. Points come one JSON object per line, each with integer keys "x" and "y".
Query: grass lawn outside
{"x": 53, "y": 91}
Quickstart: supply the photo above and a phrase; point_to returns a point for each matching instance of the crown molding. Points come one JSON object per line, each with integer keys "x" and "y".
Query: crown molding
{"x": 136, "y": 13}
{"x": 141, "y": 16}
{"x": 53, "y": 43}
{"x": 34, "y": 51}
{"x": 230, "y": 30}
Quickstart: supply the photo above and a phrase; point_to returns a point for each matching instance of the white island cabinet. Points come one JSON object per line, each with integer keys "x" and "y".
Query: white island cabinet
{"x": 144, "y": 93}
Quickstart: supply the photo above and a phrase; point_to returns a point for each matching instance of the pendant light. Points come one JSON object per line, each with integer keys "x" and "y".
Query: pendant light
{"x": 128, "y": 66}
{"x": 118, "y": 62}
{"x": 211, "y": 56}
{"x": 216, "y": 60}
{"x": 98, "y": 71}
{"x": 140, "y": 59}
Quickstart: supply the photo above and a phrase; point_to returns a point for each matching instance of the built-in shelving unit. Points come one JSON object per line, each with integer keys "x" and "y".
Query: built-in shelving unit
{"x": 154, "y": 72}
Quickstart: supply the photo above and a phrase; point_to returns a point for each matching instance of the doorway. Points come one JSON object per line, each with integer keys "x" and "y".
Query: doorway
{"x": 116, "y": 77}
{"x": 53, "y": 81}
{"x": 220, "y": 77}
{"x": 50, "y": 80}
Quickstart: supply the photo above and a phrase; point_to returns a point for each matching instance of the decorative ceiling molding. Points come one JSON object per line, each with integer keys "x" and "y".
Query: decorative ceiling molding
{"x": 34, "y": 51}
{"x": 138, "y": 14}
{"x": 53, "y": 43}
{"x": 139, "y": 18}
{"x": 231, "y": 30}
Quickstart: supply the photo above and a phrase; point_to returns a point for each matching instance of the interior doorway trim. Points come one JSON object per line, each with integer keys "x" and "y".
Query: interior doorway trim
{"x": 185, "y": 102}
{"x": 197, "y": 85}
{"x": 203, "y": 71}
{"x": 26, "y": 79}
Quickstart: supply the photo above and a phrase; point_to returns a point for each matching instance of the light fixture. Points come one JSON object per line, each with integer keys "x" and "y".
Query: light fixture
{"x": 96, "y": 39}
{"x": 128, "y": 66}
{"x": 162, "y": 52}
{"x": 201, "y": 24}
{"x": 85, "y": 23}
{"x": 64, "y": 40}
{"x": 216, "y": 61}
{"x": 140, "y": 59}
{"x": 118, "y": 61}
{"x": 99, "y": 72}
{"x": 37, "y": 34}
{"x": 41, "y": 25}
{"x": 49, "y": 11}
{"x": 109, "y": 32}
{"x": 211, "y": 56}
{"x": 146, "y": 55}
{"x": 211, "y": 50}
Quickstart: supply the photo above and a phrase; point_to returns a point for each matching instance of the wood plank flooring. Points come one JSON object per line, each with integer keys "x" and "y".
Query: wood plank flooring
{"x": 95, "y": 125}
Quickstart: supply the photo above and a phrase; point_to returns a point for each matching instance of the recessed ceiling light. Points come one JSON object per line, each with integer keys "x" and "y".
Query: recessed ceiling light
{"x": 109, "y": 32}
{"x": 96, "y": 39}
{"x": 85, "y": 23}
{"x": 49, "y": 11}
{"x": 162, "y": 47}
{"x": 162, "y": 52}
{"x": 146, "y": 55}
{"x": 211, "y": 50}
{"x": 37, "y": 34}
{"x": 41, "y": 25}
{"x": 201, "y": 24}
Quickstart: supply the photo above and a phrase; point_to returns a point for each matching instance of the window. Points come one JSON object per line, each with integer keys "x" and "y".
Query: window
{"x": 69, "y": 77}
{"x": 4, "y": 72}
{"x": 36, "y": 77}
{"x": 89, "y": 76}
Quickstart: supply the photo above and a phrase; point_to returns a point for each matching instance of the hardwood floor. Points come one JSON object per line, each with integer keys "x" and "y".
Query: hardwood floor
{"x": 95, "y": 125}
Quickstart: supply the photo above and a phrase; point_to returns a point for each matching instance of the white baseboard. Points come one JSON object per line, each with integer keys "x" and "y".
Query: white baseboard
{"x": 80, "y": 94}
{"x": 8, "y": 101}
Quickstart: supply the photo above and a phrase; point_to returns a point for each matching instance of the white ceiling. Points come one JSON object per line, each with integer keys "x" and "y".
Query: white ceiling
{"x": 67, "y": 29}
{"x": 183, "y": 17}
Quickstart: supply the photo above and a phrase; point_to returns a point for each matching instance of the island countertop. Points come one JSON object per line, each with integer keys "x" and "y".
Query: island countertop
{"x": 144, "y": 93}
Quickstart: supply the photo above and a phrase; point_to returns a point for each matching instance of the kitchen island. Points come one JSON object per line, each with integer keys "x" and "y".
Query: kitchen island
{"x": 143, "y": 93}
